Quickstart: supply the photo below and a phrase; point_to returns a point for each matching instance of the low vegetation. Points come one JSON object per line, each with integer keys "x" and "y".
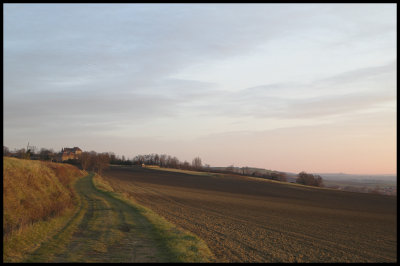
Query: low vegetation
{"x": 309, "y": 179}
{"x": 53, "y": 215}
{"x": 182, "y": 245}
{"x": 38, "y": 198}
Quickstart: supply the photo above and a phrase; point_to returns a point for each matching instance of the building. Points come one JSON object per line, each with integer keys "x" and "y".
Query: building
{"x": 70, "y": 153}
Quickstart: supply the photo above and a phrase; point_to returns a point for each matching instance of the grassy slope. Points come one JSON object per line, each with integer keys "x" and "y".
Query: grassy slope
{"x": 52, "y": 215}
{"x": 38, "y": 200}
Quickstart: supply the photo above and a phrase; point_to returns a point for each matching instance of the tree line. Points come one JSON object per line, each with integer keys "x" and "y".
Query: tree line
{"x": 161, "y": 160}
{"x": 31, "y": 154}
{"x": 98, "y": 162}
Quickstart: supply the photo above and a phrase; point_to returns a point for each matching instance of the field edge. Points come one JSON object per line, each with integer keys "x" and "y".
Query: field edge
{"x": 184, "y": 245}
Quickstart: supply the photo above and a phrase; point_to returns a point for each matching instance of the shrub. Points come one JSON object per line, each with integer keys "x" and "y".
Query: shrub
{"x": 309, "y": 179}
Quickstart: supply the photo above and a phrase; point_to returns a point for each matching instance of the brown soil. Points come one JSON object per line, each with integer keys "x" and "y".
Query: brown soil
{"x": 249, "y": 220}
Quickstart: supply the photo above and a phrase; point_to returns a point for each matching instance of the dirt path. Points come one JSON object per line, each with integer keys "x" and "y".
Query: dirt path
{"x": 103, "y": 230}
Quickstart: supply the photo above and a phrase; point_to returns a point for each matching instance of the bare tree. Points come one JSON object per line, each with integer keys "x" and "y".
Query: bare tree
{"x": 46, "y": 154}
{"x": 6, "y": 151}
{"x": 102, "y": 162}
{"x": 85, "y": 160}
{"x": 163, "y": 160}
{"x": 196, "y": 163}
{"x": 185, "y": 165}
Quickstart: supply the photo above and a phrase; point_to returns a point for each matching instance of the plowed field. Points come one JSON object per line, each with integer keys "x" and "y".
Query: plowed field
{"x": 249, "y": 220}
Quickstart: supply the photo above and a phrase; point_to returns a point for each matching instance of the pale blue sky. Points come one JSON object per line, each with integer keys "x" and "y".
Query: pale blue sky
{"x": 242, "y": 84}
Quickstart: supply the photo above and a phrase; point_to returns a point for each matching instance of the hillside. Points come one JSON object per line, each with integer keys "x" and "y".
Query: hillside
{"x": 51, "y": 214}
{"x": 35, "y": 193}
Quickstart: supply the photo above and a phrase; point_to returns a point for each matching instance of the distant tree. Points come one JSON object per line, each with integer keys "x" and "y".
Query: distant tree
{"x": 246, "y": 170}
{"x": 279, "y": 176}
{"x": 174, "y": 162}
{"x": 85, "y": 160}
{"x": 196, "y": 163}
{"x": 318, "y": 181}
{"x": 46, "y": 154}
{"x": 185, "y": 165}
{"x": 23, "y": 154}
{"x": 103, "y": 162}
{"x": 113, "y": 158}
{"x": 156, "y": 159}
{"x": 309, "y": 179}
{"x": 6, "y": 151}
{"x": 100, "y": 162}
{"x": 230, "y": 168}
{"x": 282, "y": 177}
{"x": 163, "y": 160}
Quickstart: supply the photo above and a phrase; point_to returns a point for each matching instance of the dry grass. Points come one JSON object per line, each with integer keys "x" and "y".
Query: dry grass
{"x": 182, "y": 245}
{"x": 34, "y": 193}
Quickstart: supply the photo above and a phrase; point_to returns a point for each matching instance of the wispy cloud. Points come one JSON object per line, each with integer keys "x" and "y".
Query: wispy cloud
{"x": 186, "y": 70}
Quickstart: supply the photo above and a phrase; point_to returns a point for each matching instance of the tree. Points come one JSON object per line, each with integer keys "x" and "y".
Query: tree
{"x": 246, "y": 171}
{"x": 98, "y": 161}
{"x": 309, "y": 179}
{"x": 185, "y": 165}
{"x": 102, "y": 162}
{"x": 23, "y": 154}
{"x": 85, "y": 160}
{"x": 174, "y": 162}
{"x": 196, "y": 163}
{"x": 163, "y": 160}
{"x": 282, "y": 177}
{"x": 230, "y": 168}
{"x": 156, "y": 159}
{"x": 46, "y": 154}
{"x": 6, "y": 151}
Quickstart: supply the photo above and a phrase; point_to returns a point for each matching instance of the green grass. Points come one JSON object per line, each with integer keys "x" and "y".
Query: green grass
{"x": 107, "y": 227}
{"x": 183, "y": 245}
{"x": 52, "y": 215}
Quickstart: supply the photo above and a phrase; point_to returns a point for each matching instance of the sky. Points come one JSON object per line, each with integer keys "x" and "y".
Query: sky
{"x": 287, "y": 87}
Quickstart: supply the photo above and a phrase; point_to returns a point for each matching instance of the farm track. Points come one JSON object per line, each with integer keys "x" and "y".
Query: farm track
{"x": 249, "y": 221}
{"x": 103, "y": 230}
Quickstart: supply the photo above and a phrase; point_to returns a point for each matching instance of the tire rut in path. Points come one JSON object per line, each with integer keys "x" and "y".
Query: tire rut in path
{"x": 109, "y": 231}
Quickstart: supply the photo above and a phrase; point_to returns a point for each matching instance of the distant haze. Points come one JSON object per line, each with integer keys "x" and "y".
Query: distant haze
{"x": 287, "y": 87}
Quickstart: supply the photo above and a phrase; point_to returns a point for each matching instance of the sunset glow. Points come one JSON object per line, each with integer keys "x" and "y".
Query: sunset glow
{"x": 307, "y": 87}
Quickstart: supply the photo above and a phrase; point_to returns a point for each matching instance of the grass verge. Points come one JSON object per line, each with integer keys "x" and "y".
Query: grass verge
{"x": 20, "y": 244}
{"x": 183, "y": 245}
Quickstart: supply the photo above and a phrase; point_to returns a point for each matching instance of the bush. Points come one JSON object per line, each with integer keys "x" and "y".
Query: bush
{"x": 309, "y": 179}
